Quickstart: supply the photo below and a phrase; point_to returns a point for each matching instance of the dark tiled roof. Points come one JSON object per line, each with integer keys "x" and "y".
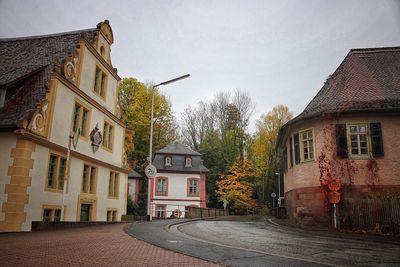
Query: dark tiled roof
{"x": 26, "y": 65}
{"x": 178, "y": 153}
{"x": 177, "y": 149}
{"x": 134, "y": 174}
{"x": 367, "y": 80}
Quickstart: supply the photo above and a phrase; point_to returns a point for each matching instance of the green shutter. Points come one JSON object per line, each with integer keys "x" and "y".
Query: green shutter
{"x": 376, "y": 139}
{"x": 341, "y": 141}
{"x": 296, "y": 148}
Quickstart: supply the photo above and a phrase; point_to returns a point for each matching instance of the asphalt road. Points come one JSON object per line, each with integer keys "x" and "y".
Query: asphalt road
{"x": 257, "y": 243}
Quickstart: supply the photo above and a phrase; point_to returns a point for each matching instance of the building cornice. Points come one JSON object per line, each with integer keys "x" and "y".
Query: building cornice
{"x": 86, "y": 97}
{"x": 101, "y": 59}
{"x": 44, "y": 142}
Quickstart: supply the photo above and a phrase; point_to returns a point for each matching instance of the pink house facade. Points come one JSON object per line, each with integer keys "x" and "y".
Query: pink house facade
{"x": 180, "y": 181}
{"x": 347, "y": 132}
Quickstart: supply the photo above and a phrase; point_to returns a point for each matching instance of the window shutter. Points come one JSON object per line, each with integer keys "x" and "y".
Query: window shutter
{"x": 341, "y": 141}
{"x": 296, "y": 148}
{"x": 376, "y": 139}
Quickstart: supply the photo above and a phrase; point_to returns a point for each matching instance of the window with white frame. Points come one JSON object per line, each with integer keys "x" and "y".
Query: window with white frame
{"x": 193, "y": 187}
{"x": 358, "y": 139}
{"x": 162, "y": 186}
{"x": 307, "y": 145}
{"x": 188, "y": 162}
{"x": 168, "y": 161}
{"x": 160, "y": 211}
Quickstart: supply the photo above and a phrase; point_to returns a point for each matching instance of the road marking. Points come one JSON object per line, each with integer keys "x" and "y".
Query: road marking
{"x": 175, "y": 229}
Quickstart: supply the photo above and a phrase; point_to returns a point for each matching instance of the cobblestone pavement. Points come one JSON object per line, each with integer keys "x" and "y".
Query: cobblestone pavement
{"x": 106, "y": 245}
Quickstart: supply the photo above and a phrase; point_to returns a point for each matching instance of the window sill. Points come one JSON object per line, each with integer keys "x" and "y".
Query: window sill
{"x": 107, "y": 149}
{"x": 161, "y": 194}
{"x": 47, "y": 189}
{"x": 193, "y": 195}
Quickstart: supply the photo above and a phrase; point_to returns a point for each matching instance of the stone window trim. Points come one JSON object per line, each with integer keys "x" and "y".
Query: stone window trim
{"x": 89, "y": 179}
{"x": 108, "y": 136}
{"x": 161, "y": 185}
{"x": 113, "y": 185}
{"x": 361, "y": 141}
{"x": 52, "y": 213}
{"x": 307, "y": 145}
{"x": 188, "y": 161}
{"x": 193, "y": 187}
{"x": 100, "y": 82}
{"x": 58, "y": 162}
{"x": 168, "y": 161}
{"x": 112, "y": 215}
{"x": 80, "y": 120}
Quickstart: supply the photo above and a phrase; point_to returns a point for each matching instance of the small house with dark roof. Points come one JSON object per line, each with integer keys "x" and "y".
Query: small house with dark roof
{"x": 347, "y": 134}
{"x": 134, "y": 185}
{"x": 180, "y": 181}
{"x": 52, "y": 86}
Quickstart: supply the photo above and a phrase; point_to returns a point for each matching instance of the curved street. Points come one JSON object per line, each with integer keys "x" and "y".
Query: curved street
{"x": 238, "y": 242}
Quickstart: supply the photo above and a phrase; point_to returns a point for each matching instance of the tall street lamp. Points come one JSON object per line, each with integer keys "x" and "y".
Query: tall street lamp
{"x": 151, "y": 170}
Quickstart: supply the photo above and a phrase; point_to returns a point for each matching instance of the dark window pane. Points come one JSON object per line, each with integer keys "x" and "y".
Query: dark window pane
{"x": 76, "y": 117}
{"x": 57, "y": 215}
{"x": 61, "y": 173}
{"x": 46, "y": 215}
{"x": 51, "y": 174}
{"x": 83, "y": 124}
{"x": 92, "y": 179}
{"x": 85, "y": 178}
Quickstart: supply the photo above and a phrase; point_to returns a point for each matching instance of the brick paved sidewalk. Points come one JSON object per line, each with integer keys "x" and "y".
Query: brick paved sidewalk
{"x": 106, "y": 245}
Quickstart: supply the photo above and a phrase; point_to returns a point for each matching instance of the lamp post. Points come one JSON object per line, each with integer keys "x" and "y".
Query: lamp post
{"x": 150, "y": 169}
{"x": 279, "y": 188}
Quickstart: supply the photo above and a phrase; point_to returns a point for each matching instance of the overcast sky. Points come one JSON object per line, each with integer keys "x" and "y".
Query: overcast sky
{"x": 280, "y": 52}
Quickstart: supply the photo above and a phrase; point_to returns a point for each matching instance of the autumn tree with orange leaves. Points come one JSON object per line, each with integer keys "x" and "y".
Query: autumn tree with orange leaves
{"x": 237, "y": 185}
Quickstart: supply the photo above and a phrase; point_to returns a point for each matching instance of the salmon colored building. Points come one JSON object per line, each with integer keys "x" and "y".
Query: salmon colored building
{"x": 180, "y": 181}
{"x": 349, "y": 131}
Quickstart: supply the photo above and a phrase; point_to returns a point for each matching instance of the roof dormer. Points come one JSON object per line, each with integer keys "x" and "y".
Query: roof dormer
{"x": 105, "y": 39}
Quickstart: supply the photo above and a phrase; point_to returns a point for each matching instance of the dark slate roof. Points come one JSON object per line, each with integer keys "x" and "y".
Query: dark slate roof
{"x": 367, "y": 80}
{"x": 134, "y": 174}
{"x": 177, "y": 149}
{"x": 26, "y": 65}
{"x": 178, "y": 153}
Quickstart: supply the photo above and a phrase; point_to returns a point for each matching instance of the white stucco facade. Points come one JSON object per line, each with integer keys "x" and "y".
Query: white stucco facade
{"x": 31, "y": 158}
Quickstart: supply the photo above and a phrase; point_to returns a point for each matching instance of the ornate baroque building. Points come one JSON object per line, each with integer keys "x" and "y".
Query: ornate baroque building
{"x": 51, "y": 86}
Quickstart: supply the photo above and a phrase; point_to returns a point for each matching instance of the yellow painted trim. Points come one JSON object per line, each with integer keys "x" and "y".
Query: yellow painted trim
{"x": 114, "y": 213}
{"x": 57, "y": 170}
{"x": 98, "y": 84}
{"x": 84, "y": 137}
{"x": 90, "y": 166}
{"x": 87, "y": 199}
{"x": 95, "y": 52}
{"x": 53, "y": 208}
{"x": 23, "y": 134}
{"x": 368, "y": 134}
{"x": 52, "y": 101}
{"x": 111, "y": 182}
{"x": 301, "y": 145}
{"x": 81, "y": 51}
{"x": 126, "y": 192}
{"x": 16, "y": 190}
{"x": 90, "y": 100}
{"x": 105, "y": 147}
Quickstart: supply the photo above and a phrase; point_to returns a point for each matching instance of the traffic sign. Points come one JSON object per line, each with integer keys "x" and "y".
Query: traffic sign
{"x": 273, "y": 195}
{"x": 334, "y": 197}
{"x": 150, "y": 171}
{"x": 334, "y": 185}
